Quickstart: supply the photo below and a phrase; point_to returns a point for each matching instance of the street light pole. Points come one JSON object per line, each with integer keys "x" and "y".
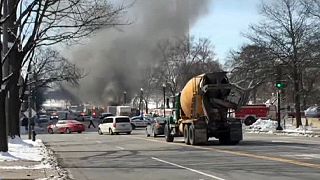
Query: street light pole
{"x": 124, "y": 97}
{"x": 140, "y": 103}
{"x": 164, "y": 99}
{"x": 278, "y": 111}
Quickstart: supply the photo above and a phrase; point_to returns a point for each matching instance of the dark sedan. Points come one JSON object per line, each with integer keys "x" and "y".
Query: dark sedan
{"x": 156, "y": 127}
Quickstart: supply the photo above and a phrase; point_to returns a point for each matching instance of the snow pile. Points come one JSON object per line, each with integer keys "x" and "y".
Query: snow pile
{"x": 269, "y": 126}
{"x": 24, "y": 150}
{"x": 264, "y": 125}
{"x": 300, "y": 130}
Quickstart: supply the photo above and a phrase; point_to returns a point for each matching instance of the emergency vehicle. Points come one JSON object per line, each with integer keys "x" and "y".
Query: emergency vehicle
{"x": 249, "y": 114}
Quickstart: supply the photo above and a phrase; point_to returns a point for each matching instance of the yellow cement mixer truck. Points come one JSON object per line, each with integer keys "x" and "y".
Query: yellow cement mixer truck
{"x": 202, "y": 110}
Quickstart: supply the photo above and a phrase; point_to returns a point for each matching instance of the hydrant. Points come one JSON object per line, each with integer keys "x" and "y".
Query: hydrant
{"x": 34, "y": 135}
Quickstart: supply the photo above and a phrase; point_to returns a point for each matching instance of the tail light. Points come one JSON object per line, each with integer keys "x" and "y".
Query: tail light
{"x": 114, "y": 125}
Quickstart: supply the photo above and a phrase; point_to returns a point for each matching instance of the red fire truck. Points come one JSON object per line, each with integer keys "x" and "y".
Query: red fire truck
{"x": 250, "y": 113}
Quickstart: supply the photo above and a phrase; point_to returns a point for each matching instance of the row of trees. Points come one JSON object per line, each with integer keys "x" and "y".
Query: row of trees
{"x": 284, "y": 46}
{"x": 180, "y": 59}
{"x": 28, "y": 29}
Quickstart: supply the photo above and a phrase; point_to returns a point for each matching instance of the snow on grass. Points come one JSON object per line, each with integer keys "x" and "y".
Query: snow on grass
{"x": 24, "y": 150}
{"x": 263, "y": 125}
{"x": 269, "y": 126}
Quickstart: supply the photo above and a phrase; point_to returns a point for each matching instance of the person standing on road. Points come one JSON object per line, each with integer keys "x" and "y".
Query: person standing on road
{"x": 91, "y": 122}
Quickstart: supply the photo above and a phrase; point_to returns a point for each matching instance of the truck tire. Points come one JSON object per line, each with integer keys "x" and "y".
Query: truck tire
{"x": 192, "y": 138}
{"x": 225, "y": 140}
{"x": 168, "y": 136}
{"x": 250, "y": 120}
{"x": 186, "y": 134}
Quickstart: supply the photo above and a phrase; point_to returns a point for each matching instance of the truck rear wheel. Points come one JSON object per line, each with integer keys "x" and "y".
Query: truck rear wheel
{"x": 249, "y": 120}
{"x": 192, "y": 138}
{"x": 225, "y": 140}
{"x": 186, "y": 134}
{"x": 167, "y": 134}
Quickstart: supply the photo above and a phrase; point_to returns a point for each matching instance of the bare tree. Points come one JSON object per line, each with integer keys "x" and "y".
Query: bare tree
{"x": 290, "y": 37}
{"x": 32, "y": 24}
{"x": 182, "y": 59}
{"x": 47, "y": 68}
{"x": 250, "y": 68}
{"x": 313, "y": 7}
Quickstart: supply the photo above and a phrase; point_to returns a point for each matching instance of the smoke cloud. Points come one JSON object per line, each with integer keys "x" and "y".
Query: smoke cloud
{"x": 115, "y": 60}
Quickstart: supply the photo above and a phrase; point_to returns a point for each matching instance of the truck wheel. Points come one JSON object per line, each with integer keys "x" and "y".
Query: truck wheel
{"x": 186, "y": 134}
{"x": 168, "y": 136}
{"x": 225, "y": 140}
{"x": 192, "y": 139}
{"x": 249, "y": 121}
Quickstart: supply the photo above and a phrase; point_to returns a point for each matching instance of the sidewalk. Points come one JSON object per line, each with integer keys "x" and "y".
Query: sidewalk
{"x": 29, "y": 160}
{"x": 26, "y": 170}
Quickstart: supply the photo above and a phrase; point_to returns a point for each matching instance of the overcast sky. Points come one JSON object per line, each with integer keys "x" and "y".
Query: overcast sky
{"x": 225, "y": 22}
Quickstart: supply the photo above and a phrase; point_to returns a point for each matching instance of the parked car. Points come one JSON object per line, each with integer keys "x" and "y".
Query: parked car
{"x": 313, "y": 111}
{"x": 42, "y": 119}
{"x": 156, "y": 127}
{"x": 139, "y": 121}
{"x": 83, "y": 117}
{"x": 103, "y": 115}
{"x": 115, "y": 125}
{"x": 54, "y": 116}
{"x": 66, "y": 126}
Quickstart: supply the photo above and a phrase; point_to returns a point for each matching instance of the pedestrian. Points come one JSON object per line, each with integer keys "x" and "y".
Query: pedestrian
{"x": 25, "y": 123}
{"x": 91, "y": 122}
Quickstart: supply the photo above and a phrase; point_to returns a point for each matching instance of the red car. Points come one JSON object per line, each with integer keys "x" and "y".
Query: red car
{"x": 66, "y": 126}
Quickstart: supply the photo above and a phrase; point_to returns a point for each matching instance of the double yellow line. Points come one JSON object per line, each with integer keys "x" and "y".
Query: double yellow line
{"x": 241, "y": 153}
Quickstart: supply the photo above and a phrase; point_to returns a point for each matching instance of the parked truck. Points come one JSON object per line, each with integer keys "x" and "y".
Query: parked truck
{"x": 119, "y": 110}
{"x": 202, "y": 110}
{"x": 249, "y": 114}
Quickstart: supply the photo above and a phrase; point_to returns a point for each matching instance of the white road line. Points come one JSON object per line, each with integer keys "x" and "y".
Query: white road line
{"x": 119, "y": 147}
{"x": 193, "y": 170}
{"x": 99, "y": 142}
{"x": 280, "y": 141}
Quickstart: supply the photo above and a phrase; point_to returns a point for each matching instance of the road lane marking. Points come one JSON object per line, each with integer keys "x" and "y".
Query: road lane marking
{"x": 279, "y": 141}
{"x": 119, "y": 147}
{"x": 240, "y": 153}
{"x": 183, "y": 167}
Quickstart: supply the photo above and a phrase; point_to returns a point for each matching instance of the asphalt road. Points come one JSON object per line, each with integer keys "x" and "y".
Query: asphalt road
{"x": 259, "y": 156}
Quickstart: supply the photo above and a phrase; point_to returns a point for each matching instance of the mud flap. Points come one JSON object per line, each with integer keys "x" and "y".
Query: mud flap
{"x": 201, "y": 136}
{"x": 235, "y": 130}
{"x": 200, "y": 131}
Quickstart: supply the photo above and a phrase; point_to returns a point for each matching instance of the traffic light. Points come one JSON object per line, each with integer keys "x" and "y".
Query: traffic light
{"x": 280, "y": 85}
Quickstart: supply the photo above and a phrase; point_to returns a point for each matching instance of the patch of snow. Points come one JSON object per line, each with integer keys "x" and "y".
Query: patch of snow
{"x": 27, "y": 150}
{"x": 269, "y": 127}
{"x": 264, "y": 125}
{"x": 23, "y": 150}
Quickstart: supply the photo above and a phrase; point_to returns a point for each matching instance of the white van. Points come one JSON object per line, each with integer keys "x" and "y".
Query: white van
{"x": 115, "y": 125}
